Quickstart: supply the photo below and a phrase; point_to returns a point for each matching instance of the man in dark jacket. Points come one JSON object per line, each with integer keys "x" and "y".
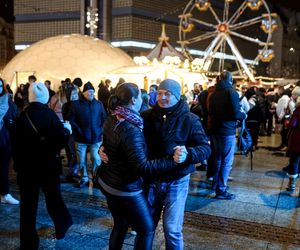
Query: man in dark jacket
{"x": 104, "y": 93}
{"x": 168, "y": 125}
{"x": 225, "y": 111}
{"x": 87, "y": 116}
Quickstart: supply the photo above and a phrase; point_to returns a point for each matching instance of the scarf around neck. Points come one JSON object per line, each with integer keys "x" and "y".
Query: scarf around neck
{"x": 123, "y": 113}
{"x": 3, "y": 108}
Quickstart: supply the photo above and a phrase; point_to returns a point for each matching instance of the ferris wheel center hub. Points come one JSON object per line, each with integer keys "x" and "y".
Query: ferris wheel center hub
{"x": 223, "y": 27}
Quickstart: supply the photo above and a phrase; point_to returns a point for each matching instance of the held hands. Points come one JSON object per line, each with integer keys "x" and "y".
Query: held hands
{"x": 103, "y": 156}
{"x": 180, "y": 154}
{"x": 67, "y": 125}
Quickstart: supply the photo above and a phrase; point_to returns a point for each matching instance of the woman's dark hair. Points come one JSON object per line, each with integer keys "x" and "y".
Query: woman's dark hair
{"x": 4, "y": 90}
{"x": 123, "y": 95}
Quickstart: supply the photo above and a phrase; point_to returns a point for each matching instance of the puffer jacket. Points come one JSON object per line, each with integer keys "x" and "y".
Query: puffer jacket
{"x": 87, "y": 118}
{"x": 225, "y": 110}
{"x": 180, "y": 127}
{"x": 31, "y": 154}
{"x": 126, "y": 149}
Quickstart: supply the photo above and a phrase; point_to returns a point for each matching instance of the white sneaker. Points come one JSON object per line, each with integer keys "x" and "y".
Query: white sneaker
{"x": 133, "y": 232}
{"x": 8, "y": 199}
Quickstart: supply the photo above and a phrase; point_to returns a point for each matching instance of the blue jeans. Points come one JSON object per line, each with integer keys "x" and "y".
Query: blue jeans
{"x": 170, "y": 198}
{"x": 293, "y": 168}
{"x": 224, "y": 155}
{"x": 81, "y": 149}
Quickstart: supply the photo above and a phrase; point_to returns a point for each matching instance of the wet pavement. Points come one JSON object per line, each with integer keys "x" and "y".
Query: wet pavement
{"x": 263, "y": 215}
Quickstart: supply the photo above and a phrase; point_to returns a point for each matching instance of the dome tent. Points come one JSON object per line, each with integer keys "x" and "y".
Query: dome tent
{"x": 59, "y": 57}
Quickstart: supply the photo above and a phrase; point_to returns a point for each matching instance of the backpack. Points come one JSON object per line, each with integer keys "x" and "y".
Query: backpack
{"x": 244, "y": 141}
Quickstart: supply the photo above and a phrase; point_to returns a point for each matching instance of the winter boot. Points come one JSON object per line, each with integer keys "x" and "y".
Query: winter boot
{"x": 292, "y": 183}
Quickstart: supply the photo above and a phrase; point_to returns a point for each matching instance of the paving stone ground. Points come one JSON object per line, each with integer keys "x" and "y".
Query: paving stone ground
{"x": 263, "y": 216}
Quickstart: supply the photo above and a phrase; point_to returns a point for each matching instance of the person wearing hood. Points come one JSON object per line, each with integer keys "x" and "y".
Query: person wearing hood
{"x": 8, "y": 113}
{"x": 38, "y": 136}
{"x": 224, "y": 110}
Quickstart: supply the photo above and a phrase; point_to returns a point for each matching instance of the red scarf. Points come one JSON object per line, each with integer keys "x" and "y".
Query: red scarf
{"x": 123, "y": 113}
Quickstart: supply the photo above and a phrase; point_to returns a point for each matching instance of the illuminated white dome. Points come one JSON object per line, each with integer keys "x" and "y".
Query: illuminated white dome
{"x": 57, "y": 58}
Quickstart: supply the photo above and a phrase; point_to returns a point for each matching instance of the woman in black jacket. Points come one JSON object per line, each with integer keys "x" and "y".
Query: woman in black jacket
{"x": 38, "y": 137}
{"x": 8, "y": 113}
{"x": 120, "y": 178}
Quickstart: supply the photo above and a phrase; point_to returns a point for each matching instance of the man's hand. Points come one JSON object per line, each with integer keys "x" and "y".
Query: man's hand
{"x": 103, "y": 155}
{"x": 180, "y": 154}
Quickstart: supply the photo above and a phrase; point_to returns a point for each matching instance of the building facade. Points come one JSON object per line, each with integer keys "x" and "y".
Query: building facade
{"x": 133, "y": 25}
{"x": 7, "y": 49}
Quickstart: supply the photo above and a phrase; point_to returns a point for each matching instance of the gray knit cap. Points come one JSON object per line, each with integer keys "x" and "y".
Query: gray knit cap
{"x": 172, "y": 86}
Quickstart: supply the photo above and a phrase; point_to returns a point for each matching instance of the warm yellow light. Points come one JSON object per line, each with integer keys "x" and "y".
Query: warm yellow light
{"x": 202, "y": 6}
{"x": 254, "y": 4}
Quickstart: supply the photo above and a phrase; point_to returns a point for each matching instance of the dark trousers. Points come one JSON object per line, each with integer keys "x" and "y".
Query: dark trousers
{"x": 71, "y": 156}
{"x": 30, "y": 186}
{"x": 130, "y": 211}
{"x": 5, "y": 157}
{"x": 284, "y": 136}
{"x": 270, "y": 117}
{"x": 253, "y": 127}
{"x": 293, "y": 167}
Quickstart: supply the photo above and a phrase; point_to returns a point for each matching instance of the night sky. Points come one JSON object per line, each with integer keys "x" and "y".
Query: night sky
{"x": 7, "y": 10}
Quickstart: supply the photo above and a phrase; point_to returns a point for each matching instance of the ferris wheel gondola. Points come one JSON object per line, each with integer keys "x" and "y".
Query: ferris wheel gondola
{"x": 222, "y": 28}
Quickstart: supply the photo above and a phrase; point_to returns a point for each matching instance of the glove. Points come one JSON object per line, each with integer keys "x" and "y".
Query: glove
{"x": 67, "y": 125}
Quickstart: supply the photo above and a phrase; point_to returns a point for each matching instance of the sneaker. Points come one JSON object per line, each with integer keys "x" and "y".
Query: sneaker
{"x": 82, "y": 183}
{"x": 8, "y": 199}
{"x": 284, "y": 149}
{"x": 133, "y": 232}
{"x": 209, "y": 179}
{"x": 225, "y": 196}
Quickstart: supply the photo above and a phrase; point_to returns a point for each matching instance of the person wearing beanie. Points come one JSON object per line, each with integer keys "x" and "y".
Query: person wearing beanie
{"x": 38, "y": 92}
{"x": 38, "y": 137}
{"x": 88, "y": 86}
{"x": 172, "y": 87}
{"x": 87, "y": 116}
{"x": 77, "y": 82}
{"x": 170, "y": 125}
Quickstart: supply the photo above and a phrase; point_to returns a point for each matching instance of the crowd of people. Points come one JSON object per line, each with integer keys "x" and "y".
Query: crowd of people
{"x": 143, "y": 147}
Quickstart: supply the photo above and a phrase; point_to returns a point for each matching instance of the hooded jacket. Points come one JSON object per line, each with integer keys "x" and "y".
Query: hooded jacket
{"x": 225, "y": 109}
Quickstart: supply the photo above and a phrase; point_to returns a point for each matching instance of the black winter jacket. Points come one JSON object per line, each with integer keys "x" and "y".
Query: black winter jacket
{"x": 103, "y": 95}
{"x": 225, "y": 109}
{"x": 8, "y": 120}
{"x": 180, "y": 127}
{"x": 87, "y": 118}
{"x": 125, "y": 147}
{"x": 30, "y": 153}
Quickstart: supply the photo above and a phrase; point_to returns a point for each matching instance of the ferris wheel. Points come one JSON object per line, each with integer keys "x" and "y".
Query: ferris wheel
{"x": 220, "y": 27}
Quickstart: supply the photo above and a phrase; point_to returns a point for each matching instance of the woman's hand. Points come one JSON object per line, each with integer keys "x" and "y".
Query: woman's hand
{"x": 103, "y": 155}
{"x": 180, "y": 154}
